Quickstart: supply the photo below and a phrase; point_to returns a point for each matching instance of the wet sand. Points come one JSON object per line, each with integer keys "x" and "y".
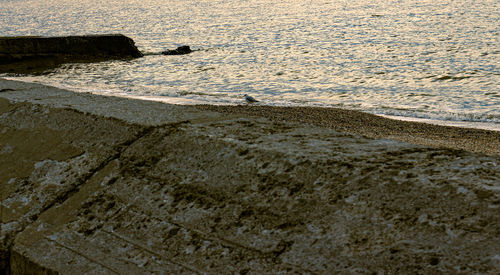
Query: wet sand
{"x": 372, "y": 126}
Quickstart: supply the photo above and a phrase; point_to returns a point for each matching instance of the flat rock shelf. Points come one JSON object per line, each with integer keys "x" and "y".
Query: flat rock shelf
{"x": 28, "y": 54}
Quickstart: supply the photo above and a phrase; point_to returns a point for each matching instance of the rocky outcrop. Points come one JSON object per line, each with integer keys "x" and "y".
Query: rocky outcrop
{"x": 37, "y": 53}
{"x": 179, "y": 51}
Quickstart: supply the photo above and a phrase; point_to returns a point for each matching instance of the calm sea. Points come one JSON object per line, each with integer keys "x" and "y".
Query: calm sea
{"x": 415, "y": 59}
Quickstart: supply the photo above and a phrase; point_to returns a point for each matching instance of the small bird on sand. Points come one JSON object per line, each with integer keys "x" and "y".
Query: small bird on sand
{"x": 250, "y": 99}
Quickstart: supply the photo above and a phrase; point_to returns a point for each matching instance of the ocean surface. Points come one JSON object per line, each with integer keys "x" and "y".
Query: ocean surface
{"x": 436, "y": 60}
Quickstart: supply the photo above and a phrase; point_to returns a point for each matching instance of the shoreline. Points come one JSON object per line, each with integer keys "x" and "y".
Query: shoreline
{"x": 344, "y": 120}
{"x": 451, "y": 123}
{"x": 481, "y": 125}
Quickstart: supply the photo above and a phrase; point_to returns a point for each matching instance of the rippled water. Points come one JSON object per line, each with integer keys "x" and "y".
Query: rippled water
{"x": 431, "y": 59}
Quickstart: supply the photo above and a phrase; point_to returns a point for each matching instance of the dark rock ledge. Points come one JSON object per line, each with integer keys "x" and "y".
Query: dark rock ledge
{"x": 179, "y": 51}
{"x": 28, "y": 54}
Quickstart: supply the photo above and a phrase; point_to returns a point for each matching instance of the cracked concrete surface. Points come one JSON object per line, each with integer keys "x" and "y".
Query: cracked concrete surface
{"x": 189, "y": 191}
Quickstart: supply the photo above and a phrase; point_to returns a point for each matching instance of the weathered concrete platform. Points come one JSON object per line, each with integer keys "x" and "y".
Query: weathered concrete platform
{"x": 92, "y": 184}
{"x": 36, "y": 53}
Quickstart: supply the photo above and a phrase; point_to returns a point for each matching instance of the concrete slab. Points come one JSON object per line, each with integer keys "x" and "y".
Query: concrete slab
{"x": 45, "y": 155}
{"x": 130, "y": 110}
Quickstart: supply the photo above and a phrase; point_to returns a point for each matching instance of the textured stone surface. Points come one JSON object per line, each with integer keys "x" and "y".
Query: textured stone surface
{"x": 45, "y": 155}
{"x": 227, "y": 194}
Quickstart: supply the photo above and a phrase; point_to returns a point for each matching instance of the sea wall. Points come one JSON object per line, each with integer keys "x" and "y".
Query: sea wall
{"x": 29, "y": 53}
{"x": 94, "y": 184}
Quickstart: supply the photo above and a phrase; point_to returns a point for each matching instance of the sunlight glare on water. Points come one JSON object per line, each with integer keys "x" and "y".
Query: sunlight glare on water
{"x": 430, "y": 59}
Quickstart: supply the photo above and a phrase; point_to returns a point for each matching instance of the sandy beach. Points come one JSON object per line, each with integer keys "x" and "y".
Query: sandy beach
{"x": 372, "y": 126}
{"x": 96, "y": 184}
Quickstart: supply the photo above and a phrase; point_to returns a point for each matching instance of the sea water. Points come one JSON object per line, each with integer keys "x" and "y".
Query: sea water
{"x": 429, "y": 59}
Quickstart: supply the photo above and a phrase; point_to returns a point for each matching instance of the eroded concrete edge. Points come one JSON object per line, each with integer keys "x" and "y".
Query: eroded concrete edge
{"x": 46, "y": 155}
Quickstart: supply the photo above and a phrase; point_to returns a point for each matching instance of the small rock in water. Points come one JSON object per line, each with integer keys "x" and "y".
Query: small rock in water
{"x": 250, "y": 99}
{"x": 180, "y": 50}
